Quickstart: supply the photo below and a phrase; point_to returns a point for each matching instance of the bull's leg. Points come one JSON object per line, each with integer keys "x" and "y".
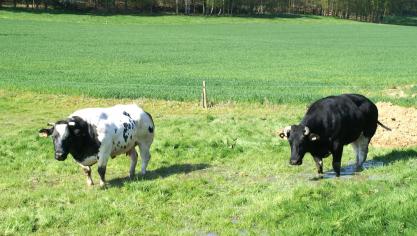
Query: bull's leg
{"x": 319, "y": 164}
{"x": 103, "y": 157}
{"x": 87, "y": 172}
{"x": 362, "y": 153}
{"x": 355, "y": 148}
{"x": 145, "y": 155}
{"x": 133, "y": 161}
{"x": 337, "y": 158}
{"x": 102, "y": 172}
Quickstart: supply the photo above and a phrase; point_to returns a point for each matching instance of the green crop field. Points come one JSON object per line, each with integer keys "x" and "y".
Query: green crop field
{"x": 275, "y": 59}
{"x": 220, "y": 171}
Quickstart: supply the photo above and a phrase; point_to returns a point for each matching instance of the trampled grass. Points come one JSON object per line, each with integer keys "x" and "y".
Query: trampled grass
{"x": 166, "y": 57}
{"x": 215, "y": 172}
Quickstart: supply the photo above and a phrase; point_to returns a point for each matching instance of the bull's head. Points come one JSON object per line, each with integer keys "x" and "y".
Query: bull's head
{"x": 301, "y": 141}
{"x": 63, "y": 133}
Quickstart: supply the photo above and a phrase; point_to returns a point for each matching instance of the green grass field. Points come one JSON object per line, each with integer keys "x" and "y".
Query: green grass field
{"x": 220, "y": 171}
{"x": 275, "y": 59}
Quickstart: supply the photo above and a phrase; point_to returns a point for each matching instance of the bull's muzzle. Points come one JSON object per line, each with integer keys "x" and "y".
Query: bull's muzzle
{"x": 60, "y": 156}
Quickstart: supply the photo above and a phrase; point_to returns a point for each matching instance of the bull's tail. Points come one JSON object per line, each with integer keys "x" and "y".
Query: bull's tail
{"x": 151, "y": 129}
{"x": 382, "y": 125}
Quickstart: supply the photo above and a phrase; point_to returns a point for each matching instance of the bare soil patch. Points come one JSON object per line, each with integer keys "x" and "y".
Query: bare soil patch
{"x": 402, "y": 121}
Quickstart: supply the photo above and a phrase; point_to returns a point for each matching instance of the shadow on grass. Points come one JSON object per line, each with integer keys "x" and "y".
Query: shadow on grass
{"x": 91, "y": 12}
{"x": 277, "y": 16}
{"x": 397, "y": 155}
{"x": 113, "y": 12}
{"x": 161, "y": 172}
{"x": 401, "y": 20}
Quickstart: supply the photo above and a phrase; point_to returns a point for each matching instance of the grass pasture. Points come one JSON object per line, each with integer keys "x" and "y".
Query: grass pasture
{"x": 220, "y": 171}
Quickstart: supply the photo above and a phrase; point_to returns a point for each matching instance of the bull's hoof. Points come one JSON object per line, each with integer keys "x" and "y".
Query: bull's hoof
{"x": 90, "y": 183}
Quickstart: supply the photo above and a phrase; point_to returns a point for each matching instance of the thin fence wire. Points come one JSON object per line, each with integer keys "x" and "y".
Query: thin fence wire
{"x": 133, "y": 85}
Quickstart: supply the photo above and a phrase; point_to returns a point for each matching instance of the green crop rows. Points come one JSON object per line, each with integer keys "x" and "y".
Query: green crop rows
{"x": 278, "y": 60}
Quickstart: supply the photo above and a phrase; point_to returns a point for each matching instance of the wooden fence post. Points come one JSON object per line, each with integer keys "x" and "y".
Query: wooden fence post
{"x": 204, "y": 95}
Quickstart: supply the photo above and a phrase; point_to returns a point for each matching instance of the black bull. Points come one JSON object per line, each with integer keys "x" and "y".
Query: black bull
{"x": 329, "y": 124}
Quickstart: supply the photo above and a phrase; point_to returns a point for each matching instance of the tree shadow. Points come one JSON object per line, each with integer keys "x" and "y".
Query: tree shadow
{"x": 397, "y": 155}
{"x": 132, "y": 12}
{"x": 161, "y": 172}
{"x": 88, "y": 12}
{"x": 277, "y": 16}
{"x": 400, "y": 20}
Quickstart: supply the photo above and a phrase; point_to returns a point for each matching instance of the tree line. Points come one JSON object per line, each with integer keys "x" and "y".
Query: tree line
{"x": 363, "y": 10}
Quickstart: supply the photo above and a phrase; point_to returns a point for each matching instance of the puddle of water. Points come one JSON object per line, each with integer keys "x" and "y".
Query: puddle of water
{"x": 343, "y": 175}
{"x": 350, "y": 170}
{"x": 372, "y": 164}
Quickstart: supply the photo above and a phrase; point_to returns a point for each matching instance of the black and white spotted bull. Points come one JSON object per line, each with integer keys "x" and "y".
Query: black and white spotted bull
{"x": 329, "y": 124}
{"x": 94, "y": 135}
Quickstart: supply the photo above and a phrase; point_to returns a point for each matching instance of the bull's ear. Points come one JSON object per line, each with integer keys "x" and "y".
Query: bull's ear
{"x": 285, "y": 132}
{"x": 45, "y": 132}
{"x": 313, "y": 137}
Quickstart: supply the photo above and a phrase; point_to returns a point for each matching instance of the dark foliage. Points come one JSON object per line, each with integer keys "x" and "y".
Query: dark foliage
{"x": 362, "y": 10}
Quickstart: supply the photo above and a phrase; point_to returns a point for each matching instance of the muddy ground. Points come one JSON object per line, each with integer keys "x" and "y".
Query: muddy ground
{"x": 402, "y": 121}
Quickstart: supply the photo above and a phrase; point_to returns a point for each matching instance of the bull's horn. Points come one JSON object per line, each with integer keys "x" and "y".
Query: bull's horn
{"x": 306, "y": 131}
{"x": 51, "y": 124}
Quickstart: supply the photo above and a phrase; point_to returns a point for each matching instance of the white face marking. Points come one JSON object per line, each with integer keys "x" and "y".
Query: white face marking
{"x": 62, "y": 130}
